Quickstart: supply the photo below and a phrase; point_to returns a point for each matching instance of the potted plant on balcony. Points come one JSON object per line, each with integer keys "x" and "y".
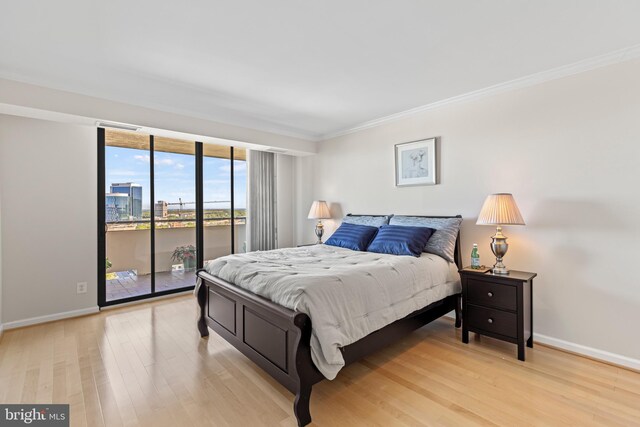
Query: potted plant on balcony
{"x": 186, "y": 255}
{"x": 108, "y": 265}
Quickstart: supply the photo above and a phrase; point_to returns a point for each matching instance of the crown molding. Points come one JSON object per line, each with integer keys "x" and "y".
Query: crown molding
{"x": 589, "y": 64}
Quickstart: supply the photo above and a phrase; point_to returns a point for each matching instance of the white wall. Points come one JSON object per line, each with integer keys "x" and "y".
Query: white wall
{"x": 48, "y": 173}
{"x": 569, "y": 151}
{"x": 286, "y": 199}
{"x": 306, "y": 191}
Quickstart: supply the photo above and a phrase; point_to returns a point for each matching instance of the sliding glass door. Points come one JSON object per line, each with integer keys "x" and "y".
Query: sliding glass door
{"x": 240, "y": 199}
{"x": 165, "y": 208}
{"x": 174, "y": 174}
{"x": 127, "y": 232}
{"x": 224, "y": 187}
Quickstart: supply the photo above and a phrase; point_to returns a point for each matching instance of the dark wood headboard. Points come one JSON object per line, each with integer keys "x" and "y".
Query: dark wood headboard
{"x": 457, "y": 255}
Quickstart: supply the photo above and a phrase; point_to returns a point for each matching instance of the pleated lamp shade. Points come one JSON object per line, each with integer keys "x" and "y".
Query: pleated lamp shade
{"x": 500, "y": 209}
{"x": 319, "y": 210}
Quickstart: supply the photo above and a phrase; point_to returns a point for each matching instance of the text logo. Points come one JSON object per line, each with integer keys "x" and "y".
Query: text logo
{"x": 34, "y": 415}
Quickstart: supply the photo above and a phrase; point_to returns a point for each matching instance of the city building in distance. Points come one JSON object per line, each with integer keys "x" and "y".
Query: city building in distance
{"x": 161, "y": 209}
{"x": 117, "y": 207}
{"x": 134, "y": 191}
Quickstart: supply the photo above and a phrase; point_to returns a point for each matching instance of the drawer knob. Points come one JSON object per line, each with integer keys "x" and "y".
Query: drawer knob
{"x": 490, "y": 320}
{"x": 489, "y": 294}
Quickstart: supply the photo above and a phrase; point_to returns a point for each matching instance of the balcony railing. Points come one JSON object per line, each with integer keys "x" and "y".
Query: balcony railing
{"x": 129, "y": 249}
{"x": 207, "y": 221}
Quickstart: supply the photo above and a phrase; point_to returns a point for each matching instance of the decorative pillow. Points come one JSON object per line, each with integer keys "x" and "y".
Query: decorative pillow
{"x": 443, "y": 241}
{"x": 370, "y": 220}
{"x": 400, "y": 240}
{"x": 352, "y": 236}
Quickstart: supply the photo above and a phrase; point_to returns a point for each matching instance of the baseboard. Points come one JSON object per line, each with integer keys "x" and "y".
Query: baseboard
{"x": 77, "y": 313}
{"x": 50, "y": 317}
{"x": 590, "y": 352}
{"x": 582, "y": 350}
{"x": 1, "y": 331}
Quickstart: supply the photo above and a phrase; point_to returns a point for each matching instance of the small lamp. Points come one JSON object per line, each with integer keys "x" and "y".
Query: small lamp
{"x": 500, "y": 209}
{"x": 319, "y": 210}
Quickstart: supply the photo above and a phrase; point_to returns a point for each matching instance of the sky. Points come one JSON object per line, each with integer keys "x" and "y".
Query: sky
{"x": 175, "y": 177}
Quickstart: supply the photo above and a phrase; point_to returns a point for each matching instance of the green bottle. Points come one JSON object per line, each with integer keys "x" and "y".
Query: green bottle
{"x": 475, "y": 257}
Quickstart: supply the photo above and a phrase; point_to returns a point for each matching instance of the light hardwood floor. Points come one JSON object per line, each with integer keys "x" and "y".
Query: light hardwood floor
{"x": 146, "y": 365}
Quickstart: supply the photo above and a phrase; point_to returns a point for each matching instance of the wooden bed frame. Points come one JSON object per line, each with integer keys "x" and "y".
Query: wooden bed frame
{"x": 278, "y": 339}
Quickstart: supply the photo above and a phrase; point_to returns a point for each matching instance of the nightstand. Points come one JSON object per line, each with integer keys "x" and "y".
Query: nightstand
{"x": 498, "y": 306}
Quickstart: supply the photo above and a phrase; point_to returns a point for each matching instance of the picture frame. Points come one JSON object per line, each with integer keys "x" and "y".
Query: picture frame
{"x": 416, "y": 163}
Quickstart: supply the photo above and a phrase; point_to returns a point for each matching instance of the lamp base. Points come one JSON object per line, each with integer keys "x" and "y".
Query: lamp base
{"x": 499, "y": 247}
{"x": 319, "y": 232}
{"x": 499, "y": 270}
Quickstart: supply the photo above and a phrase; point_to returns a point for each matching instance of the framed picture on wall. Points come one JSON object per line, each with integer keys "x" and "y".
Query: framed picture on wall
{"x": 416, "y": 163}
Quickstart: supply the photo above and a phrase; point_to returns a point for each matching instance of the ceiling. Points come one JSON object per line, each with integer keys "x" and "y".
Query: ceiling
{"x": 303, "y": 68}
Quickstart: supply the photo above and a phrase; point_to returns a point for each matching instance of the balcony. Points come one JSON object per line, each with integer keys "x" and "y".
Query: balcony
{"x": 128, "y": 250}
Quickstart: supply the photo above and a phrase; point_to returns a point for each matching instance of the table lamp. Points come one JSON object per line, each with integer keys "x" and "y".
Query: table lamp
{"x": 500, "y": 209}
{"x": 319, "y": 210}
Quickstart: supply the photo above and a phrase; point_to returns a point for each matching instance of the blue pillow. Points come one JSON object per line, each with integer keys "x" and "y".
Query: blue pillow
{"x": 400, "y": 240}
{"x": 352, "y": 236}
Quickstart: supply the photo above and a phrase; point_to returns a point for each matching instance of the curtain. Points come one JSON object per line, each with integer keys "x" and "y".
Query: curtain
{"x": 262, "y": 216}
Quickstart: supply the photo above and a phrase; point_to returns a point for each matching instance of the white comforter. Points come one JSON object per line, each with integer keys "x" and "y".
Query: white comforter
{"x": 347, "y": 294}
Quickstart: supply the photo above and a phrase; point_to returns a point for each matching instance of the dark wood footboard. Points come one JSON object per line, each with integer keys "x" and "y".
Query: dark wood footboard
{"x": 278, "y": 339}
{"x": 272, "y": 336}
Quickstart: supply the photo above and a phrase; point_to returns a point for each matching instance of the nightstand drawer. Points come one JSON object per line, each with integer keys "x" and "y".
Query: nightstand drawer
{"x": 492, "y": 294}
{"x": 490, "y": 320}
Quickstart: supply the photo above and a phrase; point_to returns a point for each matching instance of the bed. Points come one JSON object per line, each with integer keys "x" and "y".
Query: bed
{"x": 357, "y": 303}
